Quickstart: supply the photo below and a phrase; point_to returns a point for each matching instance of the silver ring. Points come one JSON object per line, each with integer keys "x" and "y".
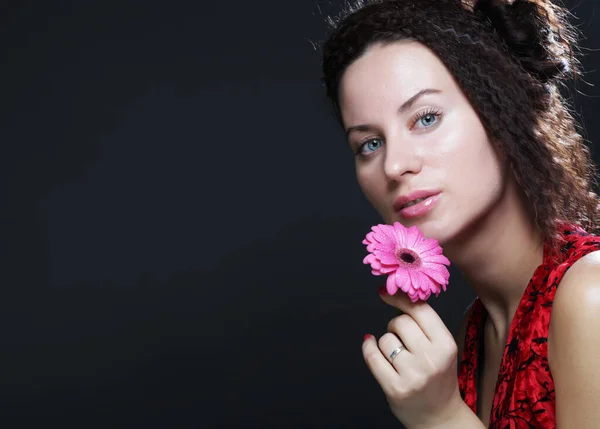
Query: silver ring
{"x": 397, "y": 351}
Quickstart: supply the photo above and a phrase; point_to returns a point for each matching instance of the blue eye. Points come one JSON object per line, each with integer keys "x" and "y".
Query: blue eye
{"x": 372, "y": 145}
{"x": 428, "y": 118}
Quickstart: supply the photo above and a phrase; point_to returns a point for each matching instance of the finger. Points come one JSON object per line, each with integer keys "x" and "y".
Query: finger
{"x": 402, "y": 360}
{"x": 409, "y": 332}
{"x": 380, "y": 367}
{"x": 426, "y": 317}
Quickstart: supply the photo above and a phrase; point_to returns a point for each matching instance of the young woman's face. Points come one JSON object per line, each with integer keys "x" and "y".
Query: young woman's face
{"x": 433, "y": 143}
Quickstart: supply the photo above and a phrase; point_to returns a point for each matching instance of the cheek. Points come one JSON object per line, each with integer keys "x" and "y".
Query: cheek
{"x": 472, "y": 160}
{"x": 480, "y": 173}
{"x": 490, "y": 168}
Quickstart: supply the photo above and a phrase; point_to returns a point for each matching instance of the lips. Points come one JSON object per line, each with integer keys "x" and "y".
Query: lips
{"x": 401, "y": 201}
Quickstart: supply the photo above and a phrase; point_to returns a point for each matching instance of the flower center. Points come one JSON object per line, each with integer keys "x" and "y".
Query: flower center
{"x": 408, "y": 258}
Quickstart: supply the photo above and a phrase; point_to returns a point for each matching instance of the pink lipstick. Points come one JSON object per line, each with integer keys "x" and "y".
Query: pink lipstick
{"x": 416, "y": 203}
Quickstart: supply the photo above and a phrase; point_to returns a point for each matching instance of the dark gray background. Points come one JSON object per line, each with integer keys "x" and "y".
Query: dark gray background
{"x": 180, "y": 223}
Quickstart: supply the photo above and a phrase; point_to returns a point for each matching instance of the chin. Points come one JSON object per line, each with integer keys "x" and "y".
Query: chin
{"x": 439, "y": 230}
{"x": 432, "y": 231}
{"x": 431, "y": 228}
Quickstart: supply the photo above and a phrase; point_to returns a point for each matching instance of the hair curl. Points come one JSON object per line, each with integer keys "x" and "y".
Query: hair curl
{"x": 519, "y": 53}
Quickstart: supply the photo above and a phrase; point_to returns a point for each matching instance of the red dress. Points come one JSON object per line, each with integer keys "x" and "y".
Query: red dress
{"x": 524, "y": 395}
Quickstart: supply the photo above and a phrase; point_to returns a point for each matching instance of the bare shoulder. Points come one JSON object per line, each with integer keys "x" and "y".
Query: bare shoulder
{"x": 577, "y": 299}
{"x": 580, "y": 286}
{"x": 574, "y": 332}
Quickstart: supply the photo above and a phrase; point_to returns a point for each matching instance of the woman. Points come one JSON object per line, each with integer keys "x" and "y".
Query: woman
{"x": 458, "y": 103}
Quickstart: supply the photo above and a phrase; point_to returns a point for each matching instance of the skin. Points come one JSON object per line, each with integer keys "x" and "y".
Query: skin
{"x": 437, "y": 142}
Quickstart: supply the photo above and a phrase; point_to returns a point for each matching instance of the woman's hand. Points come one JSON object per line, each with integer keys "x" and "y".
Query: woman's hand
{"x": 420, "y": 383}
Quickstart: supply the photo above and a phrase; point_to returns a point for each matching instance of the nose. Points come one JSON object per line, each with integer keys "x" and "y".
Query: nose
{"x": 401, "y": 158}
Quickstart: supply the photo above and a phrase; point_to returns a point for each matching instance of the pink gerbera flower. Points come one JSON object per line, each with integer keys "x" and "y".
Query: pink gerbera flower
{"x": 414, "y": 264}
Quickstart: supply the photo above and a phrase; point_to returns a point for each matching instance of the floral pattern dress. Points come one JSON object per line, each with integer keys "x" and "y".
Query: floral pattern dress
{"x": 524, "y": 395}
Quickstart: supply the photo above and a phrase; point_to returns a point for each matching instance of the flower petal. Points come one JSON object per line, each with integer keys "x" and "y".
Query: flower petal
{"x": 385, "y": 257}
{"x": 390, "y": 284}
{"x": 400, "y": 233}
{"x": 384, "y": 233}
{"x": 424, "y": 295}
{"x": 439, "y": 259}
{"x": 371, "y": 238}
{"x": 387, "y": 246}
{"x": 375, "y": 264}
{"x": 388, "y": 268}
{"x": 436, "y": 277}
{"x": 367, "y": 259}
{"x": 415, "y": 279}
{"x": 413, "y": 237}
{"x": 428, "y": 245}
{"x": 425, "y": 283}
{"x": 431, "y": 252}
{"x": 437, "y": 272}
{"x": 402, "y": 279}
{"x": 413, "y": 294}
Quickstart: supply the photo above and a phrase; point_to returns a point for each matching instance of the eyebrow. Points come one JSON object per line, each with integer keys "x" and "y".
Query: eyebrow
{"x": 403, "y": 108}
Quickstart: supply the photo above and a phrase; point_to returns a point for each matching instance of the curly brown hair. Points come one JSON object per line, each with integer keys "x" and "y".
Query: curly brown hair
{"x": 510, "y": 59}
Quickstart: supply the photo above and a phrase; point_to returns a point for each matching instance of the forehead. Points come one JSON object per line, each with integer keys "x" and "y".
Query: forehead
{"x": 386, "y": 75}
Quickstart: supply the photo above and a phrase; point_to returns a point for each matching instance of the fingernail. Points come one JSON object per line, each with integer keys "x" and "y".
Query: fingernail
{"x": 367, "y": 337}
{"x": 382, "y": 290}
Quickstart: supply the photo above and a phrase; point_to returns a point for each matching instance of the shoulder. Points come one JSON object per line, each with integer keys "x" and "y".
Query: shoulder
{"x": 576, "y": 306}
{"x": 580, "y": 286}
{"x": 574, "y": 342}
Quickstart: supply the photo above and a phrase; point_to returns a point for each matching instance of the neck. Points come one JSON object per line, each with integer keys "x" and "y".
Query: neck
{"x": 498, "y": 256}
